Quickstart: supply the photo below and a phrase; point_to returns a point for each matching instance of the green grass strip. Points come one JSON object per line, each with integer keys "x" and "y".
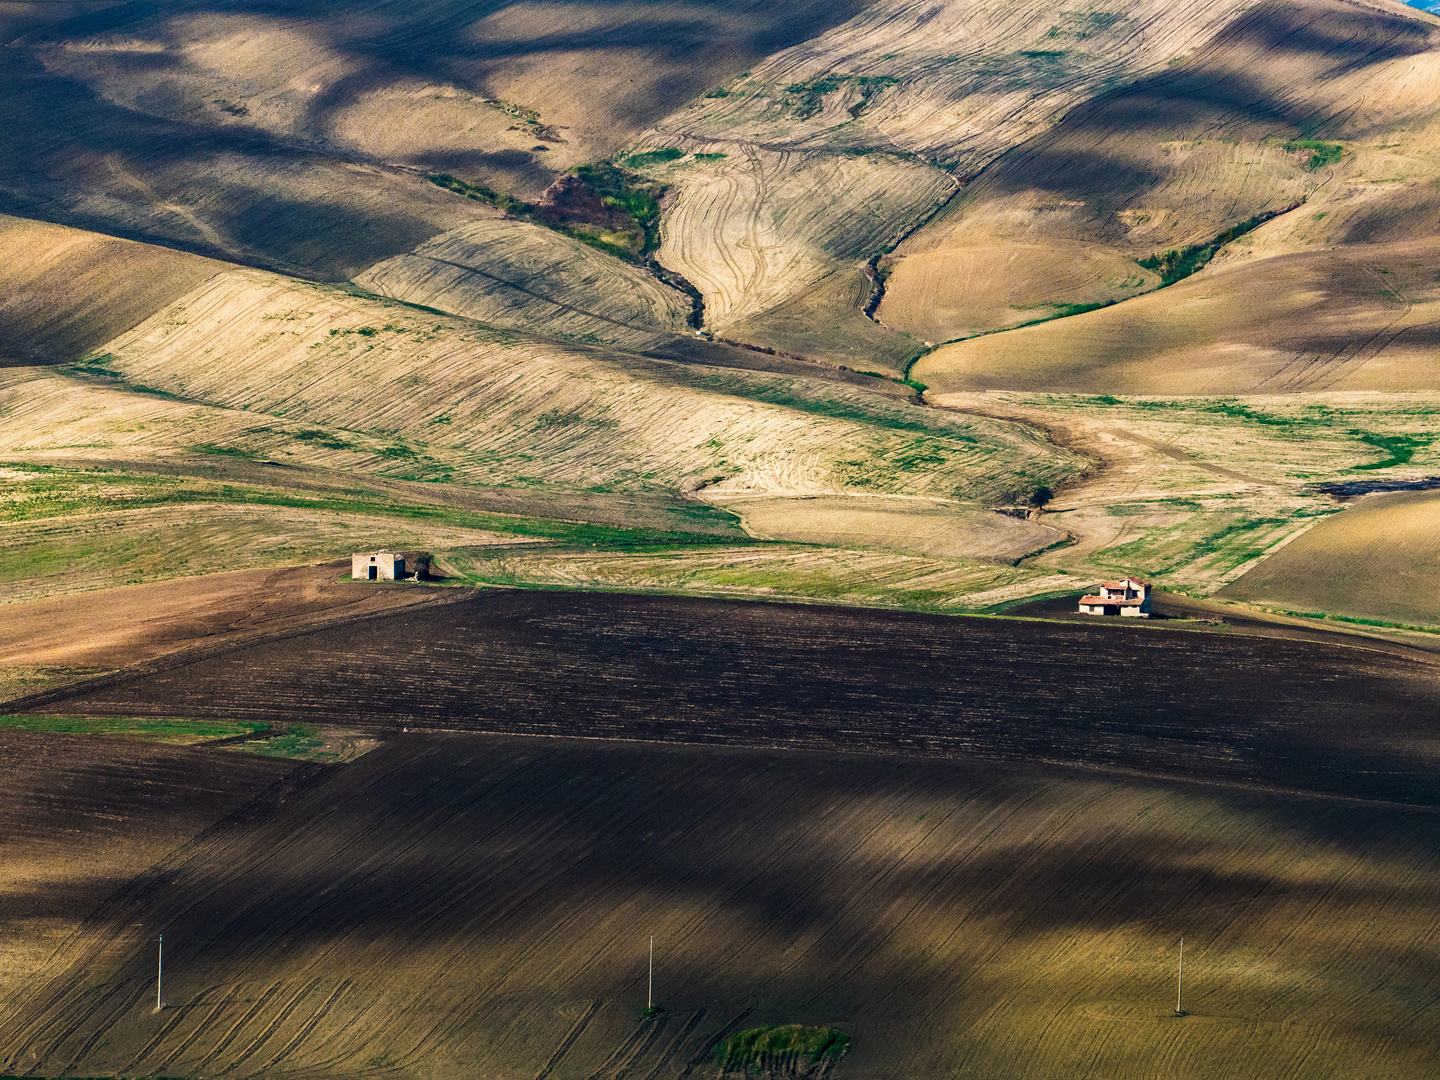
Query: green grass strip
{"x": 159, "y": 729}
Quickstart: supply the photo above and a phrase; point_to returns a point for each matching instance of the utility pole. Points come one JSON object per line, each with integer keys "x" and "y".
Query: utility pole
{"x": 650, "y": 996}
{"x": 159, "y": 971}
{"x": 1180, "y": 979}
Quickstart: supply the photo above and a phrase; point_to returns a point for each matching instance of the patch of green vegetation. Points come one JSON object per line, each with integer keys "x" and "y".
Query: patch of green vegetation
{"x": 718, "y": 92}
{"x": 299, "y": 740}
{"x": 317, "y": 437}
{"x": 1321, "y": 153}
{"x": 811, "y": 95}
{"x": 1173, "y": 266}
{"x": 655, "y": 157}
{"x": 216, "y": 450}
{"x": 1401, "y": 448}
{"x": 1042, "y": 54}
{"x": 780, "y": 1047}
{"x": 480, "y": 193}
{"x": 136, "y": 727}
{"x": 709, "y": 157}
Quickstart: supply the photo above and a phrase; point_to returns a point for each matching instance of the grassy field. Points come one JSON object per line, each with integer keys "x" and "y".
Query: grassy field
{"x": 153, "y": 729}
{"x": 1193, "y": 492}
{"x": 476, "y": 904}
{"x": 1379, "y": 560}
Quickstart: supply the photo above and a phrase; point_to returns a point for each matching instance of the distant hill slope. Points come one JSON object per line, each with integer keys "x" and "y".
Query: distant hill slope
{"x": 64, "y": 291}
{"x": 272, "y": 136}
{"x": 1321, "y": 108}
{"x": 1378, "y": 560}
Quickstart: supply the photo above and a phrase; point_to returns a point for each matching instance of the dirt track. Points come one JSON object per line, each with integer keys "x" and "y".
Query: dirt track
{"x": 1349, "y": 721}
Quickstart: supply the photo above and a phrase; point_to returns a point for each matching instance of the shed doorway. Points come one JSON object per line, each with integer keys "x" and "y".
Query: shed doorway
{"x": 374, "y": 573}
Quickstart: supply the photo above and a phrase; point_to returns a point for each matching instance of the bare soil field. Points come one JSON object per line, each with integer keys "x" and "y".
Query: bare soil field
{"x": 1380, "y": 559}
{"x": 466, "y": 904}
{"x": 65, "y": 291}
{"x": 115, "y": 628}
{"x": 82, "y": 815}
{"x": 1352, "y": 721}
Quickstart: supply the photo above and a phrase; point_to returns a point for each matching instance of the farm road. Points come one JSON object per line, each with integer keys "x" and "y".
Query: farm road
{"x": 1291, "y": 714}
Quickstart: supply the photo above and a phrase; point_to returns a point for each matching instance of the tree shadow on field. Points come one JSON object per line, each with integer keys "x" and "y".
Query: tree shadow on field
{"x": 795, "y": 878}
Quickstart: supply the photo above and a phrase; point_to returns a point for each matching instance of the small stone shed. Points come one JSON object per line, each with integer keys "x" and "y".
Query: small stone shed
{"x": 377, "y": 566}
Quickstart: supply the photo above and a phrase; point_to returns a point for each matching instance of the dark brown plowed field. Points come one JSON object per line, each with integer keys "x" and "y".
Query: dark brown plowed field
{"x": 1291, "y": 714}
{"x": 460, "y": 905}
{"x": 81, "y": 815}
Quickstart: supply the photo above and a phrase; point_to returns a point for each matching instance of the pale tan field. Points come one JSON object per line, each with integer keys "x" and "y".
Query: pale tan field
{"x": 383, "y": 388}
{"x": 950, "y": 88}
{"x": 1380, "y": 559}
{"x": 64, "y": 291}
{"x": 1178, "y": 157}
{"x": 519, "y": 276}
{"x": 908, "y": 525}
{"x": 970, "y": 289}
{"x": 827, "y": 320}
{"x": 1361, "y": 317}
{"x": 826, "y": 573}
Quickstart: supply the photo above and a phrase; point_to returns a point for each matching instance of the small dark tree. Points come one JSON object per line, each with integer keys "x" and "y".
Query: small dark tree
{"x": 1041, "y": 495}
{"x": 421, "y": 561}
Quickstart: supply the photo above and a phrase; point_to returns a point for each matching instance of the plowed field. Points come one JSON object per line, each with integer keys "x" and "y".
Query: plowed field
{"x": 468, "y": 905}
{"x": 1341, "y": 720}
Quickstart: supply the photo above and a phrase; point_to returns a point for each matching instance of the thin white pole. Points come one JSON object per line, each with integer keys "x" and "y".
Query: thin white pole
{"x": 1180, "y": 979}
{"x": 159, "y": 971}
{"x": 650, "y": 997}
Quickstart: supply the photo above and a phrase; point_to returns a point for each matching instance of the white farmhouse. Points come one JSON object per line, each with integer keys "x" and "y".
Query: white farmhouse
{"x": 1127, "y": 596}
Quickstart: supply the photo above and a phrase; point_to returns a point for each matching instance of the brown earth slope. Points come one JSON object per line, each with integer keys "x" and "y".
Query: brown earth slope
{"x": 1362, "y": 317}
{"x": 1341, "y": 720}
{"x": 82, "y": 815}
{"x": 271, "y": 137}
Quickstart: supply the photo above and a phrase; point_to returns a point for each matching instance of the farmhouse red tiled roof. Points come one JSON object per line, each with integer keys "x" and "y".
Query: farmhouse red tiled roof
{"x": 1124, "y": 582}
{"x": 1134, "y": 601}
